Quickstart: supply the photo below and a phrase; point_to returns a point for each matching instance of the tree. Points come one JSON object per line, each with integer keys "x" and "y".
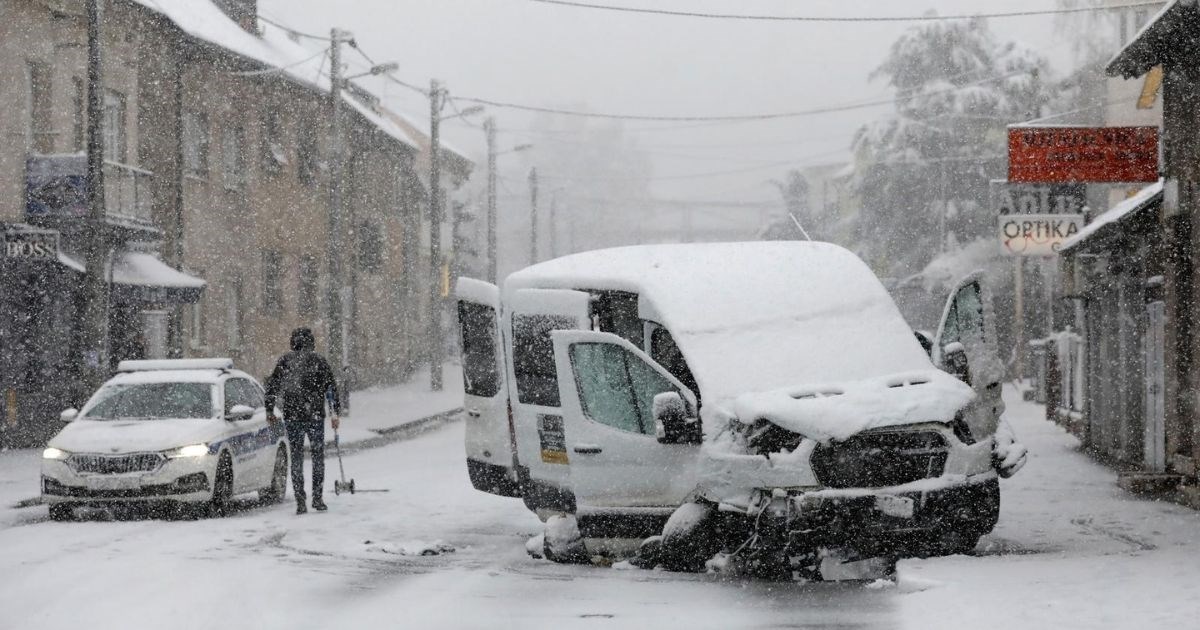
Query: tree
{"x": 923, "y": 170}
{"x": 794, "y": 191}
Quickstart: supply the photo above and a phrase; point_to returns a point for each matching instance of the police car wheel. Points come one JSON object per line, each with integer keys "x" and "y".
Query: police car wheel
{"x": 278, "y": 488}
{"x": 222, "y": 487}
{"x": 62, "y": 512}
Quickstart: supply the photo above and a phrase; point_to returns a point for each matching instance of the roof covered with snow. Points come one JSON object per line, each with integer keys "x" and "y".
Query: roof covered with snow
{"x": 1143, "y": 199}
{"x": 752, "y": 317}
{"x": 274, "y": 48}
{"x": 1171, "y": 34}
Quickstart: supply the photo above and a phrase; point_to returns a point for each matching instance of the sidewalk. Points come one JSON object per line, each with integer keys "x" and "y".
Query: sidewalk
{"x": 408, "y": 406}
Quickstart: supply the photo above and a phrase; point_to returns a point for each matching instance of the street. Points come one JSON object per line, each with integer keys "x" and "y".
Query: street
{"x": 1071, "y": 551}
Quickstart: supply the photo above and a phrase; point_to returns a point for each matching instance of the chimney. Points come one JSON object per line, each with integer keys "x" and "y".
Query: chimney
{"x": 243, "y": 12}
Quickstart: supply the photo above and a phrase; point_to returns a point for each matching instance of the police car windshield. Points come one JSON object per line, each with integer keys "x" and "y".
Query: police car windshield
{"x": 150, "y": 401}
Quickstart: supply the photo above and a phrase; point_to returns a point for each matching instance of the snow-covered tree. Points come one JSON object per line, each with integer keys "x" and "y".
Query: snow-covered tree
{"x": 794, "y": 190}
{"x": 922, "y": 170}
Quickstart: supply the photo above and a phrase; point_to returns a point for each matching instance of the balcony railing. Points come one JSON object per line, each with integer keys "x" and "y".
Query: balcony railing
{"x": 56, "y": 188}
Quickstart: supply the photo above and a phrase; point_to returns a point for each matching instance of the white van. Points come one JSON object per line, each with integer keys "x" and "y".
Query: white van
{"x": 752, "y": 390}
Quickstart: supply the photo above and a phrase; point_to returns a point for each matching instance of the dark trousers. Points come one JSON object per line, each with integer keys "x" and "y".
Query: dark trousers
{"x": 313, "y": 427}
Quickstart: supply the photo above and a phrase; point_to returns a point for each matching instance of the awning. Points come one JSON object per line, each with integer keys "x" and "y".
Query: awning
{"x": 142, "y": 277}
{"x": 1145, "y": 198}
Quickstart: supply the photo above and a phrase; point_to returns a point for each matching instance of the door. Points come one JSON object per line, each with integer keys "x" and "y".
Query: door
{"x": 965, "y": 346}
{"x": 608, "y": 387}
{"x": 250, "y": 438}
{"x": 488, "y": 442}
{"x": 1155, "y": 380}
{"x": 533, "y": 392}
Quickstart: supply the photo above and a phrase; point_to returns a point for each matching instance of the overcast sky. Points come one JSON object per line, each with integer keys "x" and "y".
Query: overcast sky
{"x": 520, "y": 51}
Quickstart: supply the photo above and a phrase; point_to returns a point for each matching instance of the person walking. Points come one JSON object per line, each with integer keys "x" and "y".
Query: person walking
{"x": 303, "y": 379}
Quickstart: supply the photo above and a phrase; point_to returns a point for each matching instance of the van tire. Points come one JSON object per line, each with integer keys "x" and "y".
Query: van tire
{"x": 690, "y": 538}
{"x": 562, "y": 542}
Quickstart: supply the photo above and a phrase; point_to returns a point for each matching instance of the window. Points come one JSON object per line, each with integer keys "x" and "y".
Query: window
{"x": 477, "y": 327}
{"x": 40, "y": 132}
{"x": 149, "y": 401}
{"x": 370, "y": 247}
{"x": 308, "y": 157}
{"x": 239, "y": 391}
{"x": 533, "y": 357}
{"x": 273, "y": 157}
{"x": 234, "y": 314}
{"x": 114, "y": 126}
{"x": 617, "y": 313}
{"x": 616, "y": 388}
{"x": 197, "y": 324}
{"x": 195, "y": 144}
{"x": 271, "y": 293}
{"x": 233, "y": 157}
{"x": 310, "y": 273}
{"x": 79, "y": 114}
{"x": 664, "y": 350}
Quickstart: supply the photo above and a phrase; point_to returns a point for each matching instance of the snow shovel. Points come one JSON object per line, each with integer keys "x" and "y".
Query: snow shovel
{"x": 341, "y": 485}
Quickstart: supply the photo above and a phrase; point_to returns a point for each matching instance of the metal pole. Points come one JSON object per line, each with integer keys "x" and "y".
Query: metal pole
{"x": 554, "y": 224}
{"x": 334, "y": 292}
{"x": 435, "y": 239}
{"x": 489, "y": 127}
{"x": 533, "y": 216}
{"x": 95, "y": 311}
{"x": 1019, "y": 314}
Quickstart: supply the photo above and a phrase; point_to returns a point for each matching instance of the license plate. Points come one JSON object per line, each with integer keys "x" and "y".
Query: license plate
{"x": 899, "y": 507}
{"x": 114, "y": 483}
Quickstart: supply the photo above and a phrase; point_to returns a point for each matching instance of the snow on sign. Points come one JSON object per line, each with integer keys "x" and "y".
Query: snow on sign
{"x": 1051, "y": 155}
{"x": 1037, "y": 234}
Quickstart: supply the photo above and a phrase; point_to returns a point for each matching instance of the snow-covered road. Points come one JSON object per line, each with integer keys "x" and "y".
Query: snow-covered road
{"x": 1071, "y": 551}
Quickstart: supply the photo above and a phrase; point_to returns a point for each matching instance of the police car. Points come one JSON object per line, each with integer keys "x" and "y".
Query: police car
{"x": 192, "y": 432}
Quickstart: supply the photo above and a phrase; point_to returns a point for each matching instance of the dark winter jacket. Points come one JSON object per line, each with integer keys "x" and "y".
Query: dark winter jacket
{"x": 302, "y": 377}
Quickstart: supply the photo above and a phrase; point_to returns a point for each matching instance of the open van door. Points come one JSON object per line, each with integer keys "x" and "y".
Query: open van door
{"x": 965, "y": 347}
{"x": 632, "y": 427}
{"x": 489, "y": 445}
{"x": 542, "y": 457}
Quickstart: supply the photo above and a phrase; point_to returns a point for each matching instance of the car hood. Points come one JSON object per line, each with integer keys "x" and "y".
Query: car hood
{"x": 837, "y": 411}
{"x": 132, "y": 436}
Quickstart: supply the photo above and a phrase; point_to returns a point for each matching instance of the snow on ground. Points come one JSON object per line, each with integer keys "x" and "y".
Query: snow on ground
{"x": 383, "y": 409}
{"x": 1071, "y": 551}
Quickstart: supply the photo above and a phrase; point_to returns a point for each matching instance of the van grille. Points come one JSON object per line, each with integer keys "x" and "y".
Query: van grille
{"x": 880, "y": 459}
{"x": 95, "y": 464}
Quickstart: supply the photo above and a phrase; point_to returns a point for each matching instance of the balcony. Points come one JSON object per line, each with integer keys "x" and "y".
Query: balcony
{"x": 56, "y": 191}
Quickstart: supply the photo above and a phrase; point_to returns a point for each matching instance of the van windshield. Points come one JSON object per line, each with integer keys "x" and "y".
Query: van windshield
{"x": 152, "y": 401}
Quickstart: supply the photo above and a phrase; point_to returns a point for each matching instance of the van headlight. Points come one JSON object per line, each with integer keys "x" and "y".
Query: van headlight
{"x": 55, "y": 453}
{"x": 191, "y": 450}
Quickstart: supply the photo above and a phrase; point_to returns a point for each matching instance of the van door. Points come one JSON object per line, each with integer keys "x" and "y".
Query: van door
{"x": 965, "y": 347}
{"x": 490, "y": 462}
{"x": 608, "y": 386}
{"x": 537, "y": 416}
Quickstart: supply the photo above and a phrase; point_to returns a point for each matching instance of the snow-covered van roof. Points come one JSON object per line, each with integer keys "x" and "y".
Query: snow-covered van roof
{"x": 753, "y": 317}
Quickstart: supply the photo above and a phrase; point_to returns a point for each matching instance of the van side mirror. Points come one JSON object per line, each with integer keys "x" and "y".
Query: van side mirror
{"x": 955, "y": 361}
{"x": 240, "y": 412}
{"x": 68, "y": 415}
{"x": 674, "y": 423}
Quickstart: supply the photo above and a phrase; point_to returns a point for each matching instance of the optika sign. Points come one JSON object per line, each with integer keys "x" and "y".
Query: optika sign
{"x": 1037, "y": 234}
{"x": 31, "y": 246}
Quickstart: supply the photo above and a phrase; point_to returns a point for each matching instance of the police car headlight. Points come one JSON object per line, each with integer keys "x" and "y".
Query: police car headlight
{"x": 191, "y": 450}
{"x": 55, "y": 453}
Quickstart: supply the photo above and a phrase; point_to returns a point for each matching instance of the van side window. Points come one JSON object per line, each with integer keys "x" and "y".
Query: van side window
{"x": 617, "y": 313}
{"x": 533, "y": 357}
{"x": 616, "y": 388}
{"x": 667, "y": 354}
{"x": 477, "y": 329}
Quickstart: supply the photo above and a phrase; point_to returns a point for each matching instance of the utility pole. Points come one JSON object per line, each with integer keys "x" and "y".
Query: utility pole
{"x": 95, "y": 311}
{"x": 533, "y": 216}
{"x": 554, "y": 224}
{"x": 489, "y": 127}
{"x": 336, "y": 323}
{"x": 435, "y": 238}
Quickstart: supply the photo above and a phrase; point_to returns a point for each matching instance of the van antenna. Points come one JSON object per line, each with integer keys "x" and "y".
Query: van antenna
{"x": 798, "y": 226}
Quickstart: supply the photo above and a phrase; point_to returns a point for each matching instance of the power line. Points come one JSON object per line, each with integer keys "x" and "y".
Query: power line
{"x": 255, "y": 73}
{"x": 810, "y": 18}
{"x": 292, "y": 30}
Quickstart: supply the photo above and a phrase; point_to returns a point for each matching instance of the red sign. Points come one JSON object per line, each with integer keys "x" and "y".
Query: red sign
{"x": 1064, "y": 155}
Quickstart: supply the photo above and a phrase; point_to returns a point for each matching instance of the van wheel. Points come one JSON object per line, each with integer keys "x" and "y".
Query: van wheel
{"x": 62, "y": 512}
{"x": 222, "y": 487}
{"x": 689, "y": 538}
{"x": 278, "y": 488}
{"x": 562, "y": 542}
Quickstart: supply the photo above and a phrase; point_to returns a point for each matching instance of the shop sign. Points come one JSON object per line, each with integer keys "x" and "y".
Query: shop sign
{"x": 56, "y": 186}
{"x": 1037, "y": 234}
{"x": 1053, "y": 155}
{"x": 31, "y": 245}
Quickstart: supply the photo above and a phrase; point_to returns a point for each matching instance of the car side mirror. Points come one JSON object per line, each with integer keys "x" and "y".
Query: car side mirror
{"x": 955, "y": 361}
{"x": 240, "y": 412}
{"x": 68, "y": 415}
{"x": 674, "y": 423}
